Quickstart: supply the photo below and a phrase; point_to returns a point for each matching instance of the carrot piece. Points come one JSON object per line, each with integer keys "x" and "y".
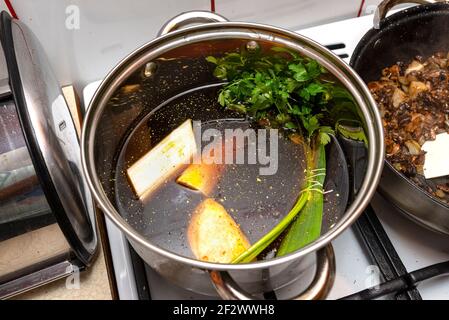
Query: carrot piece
{"x": 205, "y": 175}
{"x": 201, "y": 177}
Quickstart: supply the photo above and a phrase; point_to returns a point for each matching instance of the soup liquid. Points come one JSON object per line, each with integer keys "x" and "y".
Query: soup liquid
{"x": 256, "y": 202}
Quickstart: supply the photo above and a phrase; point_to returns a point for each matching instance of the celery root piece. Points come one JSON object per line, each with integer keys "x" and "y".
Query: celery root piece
{"x": 213, "y": 234}
{"x": 163, "y": 160}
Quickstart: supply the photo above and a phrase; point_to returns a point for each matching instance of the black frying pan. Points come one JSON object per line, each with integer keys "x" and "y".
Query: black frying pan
{"x": 420, "y": 30}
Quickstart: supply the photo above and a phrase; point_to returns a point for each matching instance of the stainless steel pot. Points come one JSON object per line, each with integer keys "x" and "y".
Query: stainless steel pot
{"x": 119, "y": 102}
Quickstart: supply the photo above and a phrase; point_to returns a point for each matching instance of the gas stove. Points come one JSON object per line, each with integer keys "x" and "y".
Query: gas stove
{"x": 381, "y": 246}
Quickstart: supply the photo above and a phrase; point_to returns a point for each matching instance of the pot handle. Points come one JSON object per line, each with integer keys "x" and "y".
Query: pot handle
{"x": 190, "y": 17}
{"x": 324, "y": 278}
{"x": 387, "y": 5}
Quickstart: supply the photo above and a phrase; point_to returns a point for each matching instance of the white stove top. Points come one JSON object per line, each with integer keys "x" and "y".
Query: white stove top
{"x": 416, "y": 246}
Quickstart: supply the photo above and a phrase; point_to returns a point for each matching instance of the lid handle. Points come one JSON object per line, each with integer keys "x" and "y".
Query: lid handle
{"x": 387, "y": 5}
{"x": 190, "y": 17}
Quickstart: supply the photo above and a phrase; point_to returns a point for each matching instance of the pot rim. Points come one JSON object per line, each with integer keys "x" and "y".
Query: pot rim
{"x": 325, "y": 57}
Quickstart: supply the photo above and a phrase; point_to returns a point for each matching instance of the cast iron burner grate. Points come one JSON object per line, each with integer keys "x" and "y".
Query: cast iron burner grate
{"x": 399, "y": 284}
{"x": 398, "y": 281}
{"x": 385, "y": 256}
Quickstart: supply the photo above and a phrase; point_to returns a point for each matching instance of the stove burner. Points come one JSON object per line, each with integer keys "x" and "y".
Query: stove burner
{"x": 398, "y": 284}
{"x": 384, "y": 253}
{"x": 374, "y": 241}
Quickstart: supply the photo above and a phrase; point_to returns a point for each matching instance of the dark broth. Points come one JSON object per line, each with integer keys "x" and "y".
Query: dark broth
{"x": 256, "y": 202}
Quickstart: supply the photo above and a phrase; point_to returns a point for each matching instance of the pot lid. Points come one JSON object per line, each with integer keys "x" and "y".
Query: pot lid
{"x": 50, "y": 134}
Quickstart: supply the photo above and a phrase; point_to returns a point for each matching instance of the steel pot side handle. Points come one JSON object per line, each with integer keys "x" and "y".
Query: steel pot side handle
{"x": 324, "y": 278}
{"x": 190, "y": 17}
{"x": 385, "y": 6}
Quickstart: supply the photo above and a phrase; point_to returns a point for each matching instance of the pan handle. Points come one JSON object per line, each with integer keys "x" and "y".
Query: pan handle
{"x": 324, "y": 278}
{"x": 387, "y": 5}
{"x": 190, "y": 17}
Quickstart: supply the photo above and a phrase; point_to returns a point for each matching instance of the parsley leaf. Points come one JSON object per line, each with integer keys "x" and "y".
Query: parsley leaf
{"x": 279, "y": 87}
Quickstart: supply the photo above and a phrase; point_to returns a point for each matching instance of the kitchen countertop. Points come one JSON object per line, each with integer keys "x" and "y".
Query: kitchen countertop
{"x": 93, "y": 285}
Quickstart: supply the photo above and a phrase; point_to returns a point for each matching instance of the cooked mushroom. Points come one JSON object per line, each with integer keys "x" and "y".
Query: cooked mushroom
{"x": 414, "y": 107}
{"x": 413, "y": 147}
{"x": 414, "y": 66}
{"x": 398, "y": 97}
{"x": 416, "y": 87}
